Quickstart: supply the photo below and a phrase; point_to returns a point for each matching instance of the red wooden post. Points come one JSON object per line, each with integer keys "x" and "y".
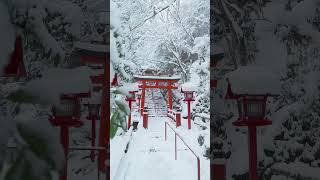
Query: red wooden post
{"x": 189, "y": 114}
{"x": 178, "y": 119}
{"x": 170, "y": 97}
{"x": 143, "y": 94}
{"x": 64, "y": 138}
{"x": 104, "y": 122}
{"x": 218, "y": 171}
{"x": 129, "y": 119}
{"x": 145, "y": 120}
{"x": 252, "y": 152}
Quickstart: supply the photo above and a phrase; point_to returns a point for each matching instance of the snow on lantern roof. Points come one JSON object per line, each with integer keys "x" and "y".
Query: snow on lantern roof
{"x": 92, "y": 47}
{"x": 57, "y": 81}
{"x": 156, "y": 77}
{"x": 127, "y": 87}
{"x": 189, "y": 86}
{"x": 254, "y": 80}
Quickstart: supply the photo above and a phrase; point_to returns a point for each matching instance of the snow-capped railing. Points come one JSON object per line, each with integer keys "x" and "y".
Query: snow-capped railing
{"x": 175, "y": 116}
{"x": 175, "y": 146}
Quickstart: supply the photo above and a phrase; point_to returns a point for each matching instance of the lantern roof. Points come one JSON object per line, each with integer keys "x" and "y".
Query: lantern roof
{"x": 253, "y": 80}
{"x": 189, "y": 86}
{"x": 92, "y": 47}
{"x": 57, "y": 81}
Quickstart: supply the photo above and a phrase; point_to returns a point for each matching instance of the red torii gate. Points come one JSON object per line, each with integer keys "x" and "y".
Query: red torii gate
{"x": 156, "y": 82}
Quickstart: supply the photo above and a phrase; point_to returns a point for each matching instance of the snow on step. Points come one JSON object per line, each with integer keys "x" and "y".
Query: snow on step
{"x": 151, "y": 157}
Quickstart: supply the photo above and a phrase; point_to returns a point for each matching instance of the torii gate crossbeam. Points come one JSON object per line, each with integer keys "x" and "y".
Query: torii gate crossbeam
{"x": 156, "y": 82}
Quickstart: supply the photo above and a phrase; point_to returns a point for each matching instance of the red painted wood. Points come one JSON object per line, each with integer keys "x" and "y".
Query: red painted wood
{"x": 115, "y": 80}
{"x": 143, "y": 94}
{"x": 64, "y": 139}
{"x": 85, "y": 59}
{"x": 189, "y": 114}
{"x": 252, "y": 152}
{"x": 105, "y": 122}
{"x": 170, "y": 98}
{"x": 16, "y": 67}
{"x": 178, "y": 119}
{"x": 218, "y": 172}
{"x": 145, "y": 120}
{"x": 214, "y": 83}
{"x": 129, "y": 118}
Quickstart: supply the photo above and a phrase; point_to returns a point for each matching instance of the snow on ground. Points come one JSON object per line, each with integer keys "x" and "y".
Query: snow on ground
{"x": 151, "y": 157}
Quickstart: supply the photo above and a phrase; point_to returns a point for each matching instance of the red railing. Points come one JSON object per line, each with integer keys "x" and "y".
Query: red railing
{"x": 175, "y": 146}
{"x": 175, "y": 116}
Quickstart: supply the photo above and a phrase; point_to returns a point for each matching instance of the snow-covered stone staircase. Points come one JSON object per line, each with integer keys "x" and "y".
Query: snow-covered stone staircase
{"x": 150, "y": 157}
{"x": 157, "y": 106}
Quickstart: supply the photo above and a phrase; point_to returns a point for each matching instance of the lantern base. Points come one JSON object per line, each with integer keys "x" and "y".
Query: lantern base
{"x": 252, "y": 122}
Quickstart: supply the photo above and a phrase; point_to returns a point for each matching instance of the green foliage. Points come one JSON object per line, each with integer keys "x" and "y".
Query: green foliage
{"x": 119, "y": 117}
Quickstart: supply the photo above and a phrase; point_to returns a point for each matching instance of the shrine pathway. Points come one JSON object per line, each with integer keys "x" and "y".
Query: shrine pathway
{"x": 150, "y": 157}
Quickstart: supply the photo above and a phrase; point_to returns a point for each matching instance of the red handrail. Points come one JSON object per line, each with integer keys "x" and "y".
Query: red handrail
{"x": 175, "y": 145}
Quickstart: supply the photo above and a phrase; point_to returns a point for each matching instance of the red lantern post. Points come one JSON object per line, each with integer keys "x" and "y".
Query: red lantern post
{"x": 131, "y": 98}
{"x": 66, "y": 115}
{"x": 188, "y": 97}
{"x": 93, "y": 117}
{"x": 251, "y": 109}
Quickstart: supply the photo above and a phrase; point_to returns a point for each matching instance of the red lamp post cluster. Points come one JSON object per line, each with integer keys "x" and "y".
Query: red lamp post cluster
{"x": 188, "y": 97}
{"x": 66, "y": 115}
{"x": 251, "y": 108}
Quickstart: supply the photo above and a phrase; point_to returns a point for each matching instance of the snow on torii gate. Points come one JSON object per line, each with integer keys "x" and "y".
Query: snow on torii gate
{"x": 156, "y": 82}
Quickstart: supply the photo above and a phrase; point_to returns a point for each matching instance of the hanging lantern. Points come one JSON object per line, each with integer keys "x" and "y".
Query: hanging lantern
{"x": 252, "y": 107}
{"x": 66, "y": 108}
